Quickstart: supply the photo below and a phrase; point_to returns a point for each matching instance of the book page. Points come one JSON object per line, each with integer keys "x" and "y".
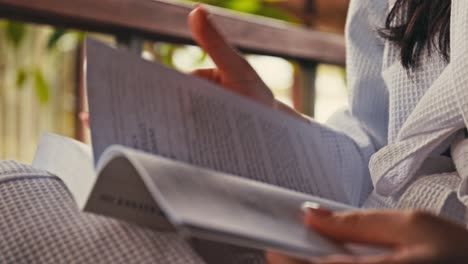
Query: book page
{"x": 121, "y": 193}
{"x": 207, "y": 204}
{"x": 70, "y": 160}
{"x": 149, "y": 107}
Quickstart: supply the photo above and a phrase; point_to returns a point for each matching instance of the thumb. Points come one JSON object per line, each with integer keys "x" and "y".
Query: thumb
{"x": 226, "y": 58}
{"x": 381, "y": 228}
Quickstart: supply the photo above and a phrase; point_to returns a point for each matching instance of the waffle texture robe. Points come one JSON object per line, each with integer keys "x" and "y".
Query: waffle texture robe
{"x": 404, "y": 121}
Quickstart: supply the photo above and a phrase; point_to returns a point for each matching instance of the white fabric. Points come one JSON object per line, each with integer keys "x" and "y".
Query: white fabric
{"x": 405, "y": 120}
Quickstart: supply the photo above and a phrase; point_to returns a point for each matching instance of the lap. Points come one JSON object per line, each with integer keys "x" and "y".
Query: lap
{"x": 41, "y": 223}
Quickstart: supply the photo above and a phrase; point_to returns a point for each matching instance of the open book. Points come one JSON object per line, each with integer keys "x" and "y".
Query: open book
{"x": 167, "y": 195}
{"x": 200, "y": 160}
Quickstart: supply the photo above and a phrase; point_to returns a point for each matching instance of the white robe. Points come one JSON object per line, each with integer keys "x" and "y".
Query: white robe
{"x": 407, "y": 120}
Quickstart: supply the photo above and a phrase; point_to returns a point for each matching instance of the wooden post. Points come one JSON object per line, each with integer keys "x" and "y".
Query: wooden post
{"x": 308, "y": 71}
{"x": 131, "y": 42}
{"x": 306, "y": 94}
{"x": 310, "y": 9}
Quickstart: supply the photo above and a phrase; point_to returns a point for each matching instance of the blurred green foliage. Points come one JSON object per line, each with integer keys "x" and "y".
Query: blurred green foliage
{"x": 42, "y": 87}
{"x": 256, "y": 7}
{"x": 15, "y": 32}
{"x": 21, "y": 77}
{"x": 166, "y": 53}
{"x": 55, "y": 37}
{"x": 16, "y": 35}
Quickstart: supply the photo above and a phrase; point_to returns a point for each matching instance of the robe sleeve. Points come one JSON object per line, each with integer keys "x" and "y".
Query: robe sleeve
{"x": 361, "y": 129}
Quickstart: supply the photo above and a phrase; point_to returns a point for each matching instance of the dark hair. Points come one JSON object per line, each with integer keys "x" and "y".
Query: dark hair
{"x": 416, "y": 25}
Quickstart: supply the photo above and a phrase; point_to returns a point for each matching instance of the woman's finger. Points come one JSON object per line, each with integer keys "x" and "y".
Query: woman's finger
{"x": 384, "y": 227}
{"x": 226, "y": 58}
{"x": 276, "y": 258}
{"x": 207, "y": 74}
{"x": 391, "y": 259}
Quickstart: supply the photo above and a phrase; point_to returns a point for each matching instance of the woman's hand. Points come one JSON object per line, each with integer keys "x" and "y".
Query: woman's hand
{"x": 233, "y": 72}
{"x": 415, "y": 237}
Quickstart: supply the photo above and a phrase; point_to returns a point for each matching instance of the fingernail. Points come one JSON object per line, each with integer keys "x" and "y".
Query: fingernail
{"x": 201, "y": 7}
{"x": 196, "y": 7}
{"x": 306, "y": 206}
{"x": 315, "y": 209}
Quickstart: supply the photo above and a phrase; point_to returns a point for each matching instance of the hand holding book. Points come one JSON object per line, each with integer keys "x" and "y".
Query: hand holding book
{"x": 233, "y": 72}
{"x": 414, "y": 237}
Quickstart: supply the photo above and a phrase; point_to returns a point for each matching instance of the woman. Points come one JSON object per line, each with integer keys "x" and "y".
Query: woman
{"x": 407, "y": 74}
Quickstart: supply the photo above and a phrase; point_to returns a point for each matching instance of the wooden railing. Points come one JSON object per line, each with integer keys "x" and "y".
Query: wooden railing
{"x": 133, "y": 21}
{"x": 166, "y": 21}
